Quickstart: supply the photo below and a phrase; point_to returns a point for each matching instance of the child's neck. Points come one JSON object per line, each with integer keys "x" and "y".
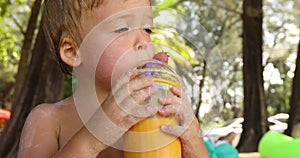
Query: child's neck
{"x": 87, "y": 100}
{"x": 102, "y": 94}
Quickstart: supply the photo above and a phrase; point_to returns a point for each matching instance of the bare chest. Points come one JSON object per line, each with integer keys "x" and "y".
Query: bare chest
{"x": 70, "y": 125}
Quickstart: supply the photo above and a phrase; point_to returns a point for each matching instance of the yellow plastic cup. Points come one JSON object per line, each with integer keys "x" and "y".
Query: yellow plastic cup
{"x": 145, "y": 139}
{"x": 162, "y": 145}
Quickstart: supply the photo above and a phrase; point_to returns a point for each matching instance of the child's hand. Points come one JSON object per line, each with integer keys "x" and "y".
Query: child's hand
{"x": 188, "y": 129}
{"x": 123, "y": 108}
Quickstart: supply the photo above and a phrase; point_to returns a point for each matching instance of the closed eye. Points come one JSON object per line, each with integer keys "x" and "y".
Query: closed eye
{"x": 121, "y": 30}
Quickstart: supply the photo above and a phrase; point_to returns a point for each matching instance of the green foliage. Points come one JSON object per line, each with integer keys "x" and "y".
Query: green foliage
{"x": 281, "y": 20}
{"x": 222, "y": 20}
{"x": 177, "y": 43}
{"x": 165, "y": 3}
{"x": 13, "y": 19}
{"x": 14, "y": 15}
{"x": 7, "y": 75}
{"x": 8, "y": 50}
{"x": 68, "y": 89}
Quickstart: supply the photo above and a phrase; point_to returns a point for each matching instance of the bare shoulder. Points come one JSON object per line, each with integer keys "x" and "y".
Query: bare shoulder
{"x": 45, "y": 114}
{"x": 42, "y": 132}
{"x": 39, "y": 134}
{"x": 43, "y": 110}
{"x": 49, "y": 116}
{"x": 52, "y": 111}
{"x": 42, "y": 118}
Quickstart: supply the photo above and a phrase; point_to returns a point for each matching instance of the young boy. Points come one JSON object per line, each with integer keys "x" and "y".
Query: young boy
{"x": 58, "y": 130}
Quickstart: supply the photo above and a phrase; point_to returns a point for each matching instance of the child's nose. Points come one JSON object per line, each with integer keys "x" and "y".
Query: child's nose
{"x": 141, "y": 39}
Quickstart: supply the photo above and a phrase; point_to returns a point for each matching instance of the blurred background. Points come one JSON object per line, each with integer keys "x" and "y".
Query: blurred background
{"x": 257, "y": 40}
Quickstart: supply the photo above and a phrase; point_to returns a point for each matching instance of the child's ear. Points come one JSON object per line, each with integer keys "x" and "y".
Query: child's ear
{"x": 69, "y": 52}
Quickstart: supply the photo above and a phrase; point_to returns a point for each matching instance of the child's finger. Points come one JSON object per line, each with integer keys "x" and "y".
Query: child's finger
{"x": 134, "y": 72}
{"x": 125, "y": 78}
{"x": 142, "y": 95}
{"x": 174, "y": 130}
{"x": 136, "y": 101}
{"x": 137, "y": 85}
{"x": 168, "y": 110}
{"x": 176, "y": 91}
{"x": 128, "y": 88}
{"x": 170, "y": 100}
{"x": 145, "y": 111}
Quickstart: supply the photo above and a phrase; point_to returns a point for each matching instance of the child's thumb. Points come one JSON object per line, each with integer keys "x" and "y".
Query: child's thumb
{"x": 174, "y": 130}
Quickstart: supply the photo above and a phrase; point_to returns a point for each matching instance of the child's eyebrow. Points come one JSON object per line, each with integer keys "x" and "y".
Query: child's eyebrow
{"x": 129, "y": 15}
{"x": 113, "y": 19}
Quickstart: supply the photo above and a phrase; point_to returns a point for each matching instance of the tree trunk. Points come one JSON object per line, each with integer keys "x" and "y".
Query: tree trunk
{"x": 294, "y": 112}
{"x": 255, "y": 118}
{"x": 44, "y": 83}
{"x": 26, "y": 48}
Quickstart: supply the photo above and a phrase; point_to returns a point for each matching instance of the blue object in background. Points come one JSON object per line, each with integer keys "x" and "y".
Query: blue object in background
{"x": 222, "y": 150}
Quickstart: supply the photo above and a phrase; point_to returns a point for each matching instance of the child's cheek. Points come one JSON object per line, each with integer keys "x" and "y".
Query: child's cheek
{"x": 110, "y": 63}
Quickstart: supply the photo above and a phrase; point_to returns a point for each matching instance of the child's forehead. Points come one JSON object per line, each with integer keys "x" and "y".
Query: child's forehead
{"x": 138, "y": 12}
{"x": 137, "y": 17}
{"x": 118, "y": 8}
